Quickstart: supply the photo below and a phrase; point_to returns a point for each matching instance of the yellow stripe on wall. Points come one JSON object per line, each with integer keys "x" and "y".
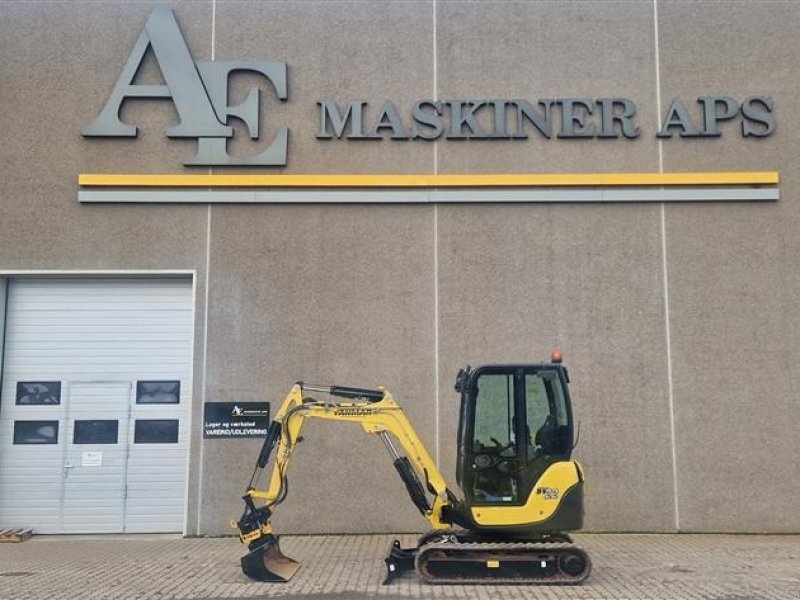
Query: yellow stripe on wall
{"x": 429, "y": 181}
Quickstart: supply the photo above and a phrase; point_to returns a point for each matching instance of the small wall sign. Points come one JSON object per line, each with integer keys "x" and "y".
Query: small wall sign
{"x": 224, "y": 420}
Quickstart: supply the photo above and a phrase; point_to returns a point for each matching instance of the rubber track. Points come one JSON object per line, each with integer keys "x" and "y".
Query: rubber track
{"x": 493, "y": 550}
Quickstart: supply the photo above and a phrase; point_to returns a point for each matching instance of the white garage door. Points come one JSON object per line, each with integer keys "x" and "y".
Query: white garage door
{"x": 94, "y": 405}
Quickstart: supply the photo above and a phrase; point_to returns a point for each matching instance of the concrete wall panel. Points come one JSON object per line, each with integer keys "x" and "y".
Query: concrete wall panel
{"x": 517, "y": 282}
{"x": 733, "y": 275}
{"x": 342, "y": 294}
{"x": 331, "y": 295}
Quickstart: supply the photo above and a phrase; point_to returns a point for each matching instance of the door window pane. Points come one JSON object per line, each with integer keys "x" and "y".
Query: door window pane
{"x": 35, "y": 432}
{"x": 38, "y": 392}
{"x": 95, "y": 432}
{"x": 536, "y": 403}
{"x": 547, "y": 420}
{"x": 494, "y": 449}
{"x": 494, "y": 410}
{"x": 156, "y": 431}
{"x": 158, "y": 392}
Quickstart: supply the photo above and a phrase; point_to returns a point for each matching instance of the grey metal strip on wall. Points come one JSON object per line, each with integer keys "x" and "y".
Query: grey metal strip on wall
{"x": 400, "y": 196}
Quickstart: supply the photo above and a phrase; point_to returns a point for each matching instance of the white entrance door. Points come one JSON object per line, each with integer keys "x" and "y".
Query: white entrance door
{"x": 95, "y": 461}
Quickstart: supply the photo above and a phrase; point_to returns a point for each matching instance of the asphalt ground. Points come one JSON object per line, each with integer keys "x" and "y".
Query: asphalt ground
{"x": 635, "y": 567}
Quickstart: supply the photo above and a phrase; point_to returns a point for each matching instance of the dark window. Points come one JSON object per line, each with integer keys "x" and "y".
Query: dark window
{"x": 39, "y": 392}
{"x": 95, "y": 432}
{"x": 35, "y": 432}
{"x": 156, "y": 431}
{"x": 158, "y": 392}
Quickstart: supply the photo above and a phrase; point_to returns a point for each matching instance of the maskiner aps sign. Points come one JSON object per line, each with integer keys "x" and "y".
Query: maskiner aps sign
{"x": 199, "y": 92}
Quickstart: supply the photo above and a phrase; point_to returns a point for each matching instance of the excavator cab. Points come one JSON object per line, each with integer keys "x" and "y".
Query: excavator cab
{"x": 515, "y": 423}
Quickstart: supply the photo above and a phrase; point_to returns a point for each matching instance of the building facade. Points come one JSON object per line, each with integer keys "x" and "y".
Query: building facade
{"x": 189, "y": 218}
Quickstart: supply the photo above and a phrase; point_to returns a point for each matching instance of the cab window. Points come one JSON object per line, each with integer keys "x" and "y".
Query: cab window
{"x": 547, "y": 420}
{"x": 494, "y": 449}
{"x": 494, "y": 411}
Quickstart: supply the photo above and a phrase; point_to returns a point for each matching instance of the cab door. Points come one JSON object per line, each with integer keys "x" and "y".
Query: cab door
{"x": 490, "y": 453}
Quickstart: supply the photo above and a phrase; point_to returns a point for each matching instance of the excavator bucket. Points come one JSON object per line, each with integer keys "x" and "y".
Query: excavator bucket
{"x": 268, "y": 563}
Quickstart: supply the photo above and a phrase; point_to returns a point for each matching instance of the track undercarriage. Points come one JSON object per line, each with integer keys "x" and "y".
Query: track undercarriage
{"x": 461, "y": 557}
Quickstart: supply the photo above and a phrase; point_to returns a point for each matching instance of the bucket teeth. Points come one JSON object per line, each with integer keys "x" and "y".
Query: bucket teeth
{"x": 266, "y": 562}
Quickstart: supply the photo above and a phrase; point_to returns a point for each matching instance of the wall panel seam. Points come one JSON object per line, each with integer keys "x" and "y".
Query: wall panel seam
{"x": 205, "y": 307}
{"x": 437, "y": 399}
{"x": 665, "y": 280}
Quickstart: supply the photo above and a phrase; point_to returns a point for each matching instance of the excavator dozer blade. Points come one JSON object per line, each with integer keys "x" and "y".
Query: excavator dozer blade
{"x": 268, "y": 563}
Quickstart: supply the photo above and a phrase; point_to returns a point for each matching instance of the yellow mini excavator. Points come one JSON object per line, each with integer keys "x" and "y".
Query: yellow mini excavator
{"x": 521, "y": 491}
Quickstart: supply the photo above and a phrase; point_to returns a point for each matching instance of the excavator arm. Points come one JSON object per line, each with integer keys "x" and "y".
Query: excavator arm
{"x": 378, "y": 414}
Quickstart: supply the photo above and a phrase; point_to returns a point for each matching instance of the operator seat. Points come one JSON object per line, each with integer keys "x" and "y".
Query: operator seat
{"x": 546, "y": 436}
